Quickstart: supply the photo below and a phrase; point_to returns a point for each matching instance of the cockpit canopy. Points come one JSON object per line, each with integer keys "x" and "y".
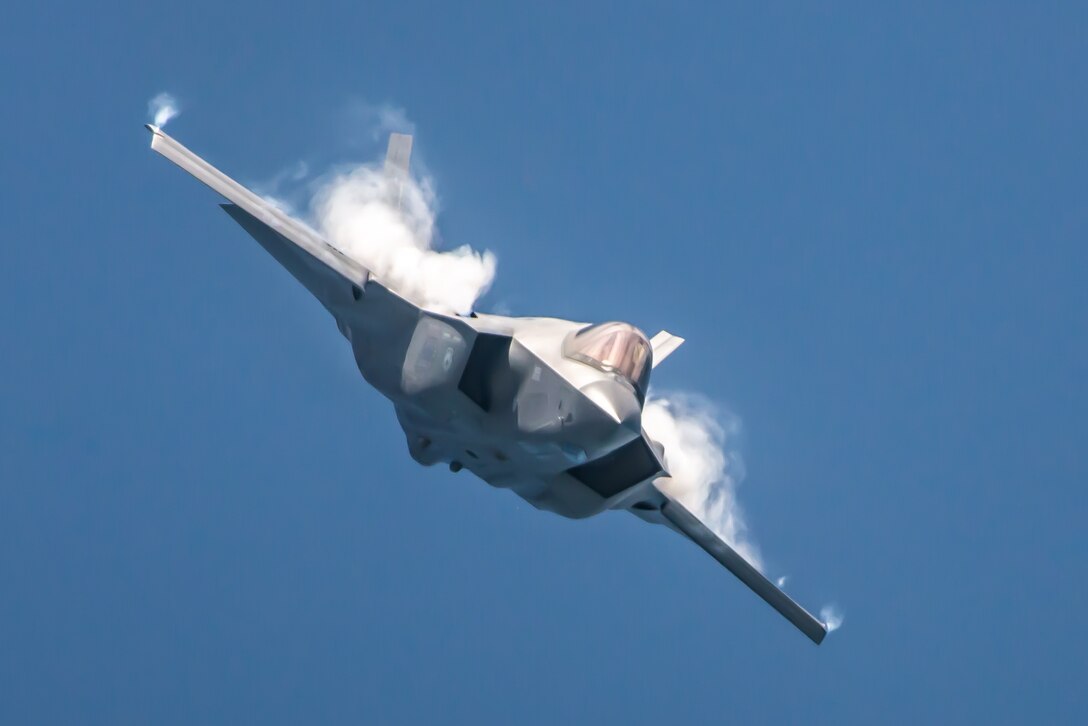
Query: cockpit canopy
{"x": 617, "y": 348}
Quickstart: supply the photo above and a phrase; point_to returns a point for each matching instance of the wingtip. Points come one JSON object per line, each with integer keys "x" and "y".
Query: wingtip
{"x": 156, "y": 134}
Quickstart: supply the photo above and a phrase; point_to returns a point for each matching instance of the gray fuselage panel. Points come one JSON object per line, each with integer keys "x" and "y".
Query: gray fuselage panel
{"x": 482, "y": 400}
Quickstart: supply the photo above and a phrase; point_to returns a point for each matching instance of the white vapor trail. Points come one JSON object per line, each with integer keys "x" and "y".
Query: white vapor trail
{"x": 704, "y": 473}
{"x": 378, "y": 121}
{"x": 162, "y": 108}
{"x": 832, "y": 617}
{"x": 270, "y": 189}
{"x": 386, "y": 223}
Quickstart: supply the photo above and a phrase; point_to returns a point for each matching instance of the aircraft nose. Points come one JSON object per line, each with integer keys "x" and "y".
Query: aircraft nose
{"x": 618, "y": 401}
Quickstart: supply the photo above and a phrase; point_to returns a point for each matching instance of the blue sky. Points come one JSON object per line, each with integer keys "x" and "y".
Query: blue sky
{"x": 868, "y": 223}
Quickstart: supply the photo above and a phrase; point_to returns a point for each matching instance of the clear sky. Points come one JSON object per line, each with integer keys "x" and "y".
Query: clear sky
{"x": 869, "y": 224}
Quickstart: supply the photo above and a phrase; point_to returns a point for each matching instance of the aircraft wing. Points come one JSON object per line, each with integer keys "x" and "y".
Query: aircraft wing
{"x": 701, "y": 535}
{"x": 325, "y": 271}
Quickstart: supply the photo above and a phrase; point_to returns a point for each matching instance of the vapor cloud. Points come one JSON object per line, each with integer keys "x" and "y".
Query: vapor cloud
{"x": 832, "y": 617}
{"x": 383, "y": 119}
{"x": 704, "y": 471}
{"x": 162, "y": 108}
{"x": 280, "y": 189}
{"x": 386, "y": 223}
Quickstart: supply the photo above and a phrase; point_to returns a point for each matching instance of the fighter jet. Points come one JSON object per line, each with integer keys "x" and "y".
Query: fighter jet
{"x": 550, "y": 409}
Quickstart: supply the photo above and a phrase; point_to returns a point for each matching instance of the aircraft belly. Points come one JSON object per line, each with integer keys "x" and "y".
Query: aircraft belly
{"x": 532, "y": 470}
{"x": 560, "y": 495}
{"x": 481, "y": 401}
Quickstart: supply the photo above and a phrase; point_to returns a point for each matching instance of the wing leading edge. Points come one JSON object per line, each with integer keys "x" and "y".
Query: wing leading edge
{"x": 313, "y": 261}
{"x": 701, "y": 535}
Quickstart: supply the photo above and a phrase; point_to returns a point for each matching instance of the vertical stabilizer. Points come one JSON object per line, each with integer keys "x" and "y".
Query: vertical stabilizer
{"x": 664, "y": 343}
{"x": 397, "y": 157}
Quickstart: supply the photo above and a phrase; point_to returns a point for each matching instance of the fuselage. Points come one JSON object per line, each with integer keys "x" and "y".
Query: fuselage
{"x": 495, "y": 395}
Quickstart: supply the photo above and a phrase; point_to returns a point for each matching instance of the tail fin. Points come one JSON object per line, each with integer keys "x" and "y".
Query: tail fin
{"x": 664, "y": 343}
{"x": 398, "y": 154}
{"x": 397, "y": 157}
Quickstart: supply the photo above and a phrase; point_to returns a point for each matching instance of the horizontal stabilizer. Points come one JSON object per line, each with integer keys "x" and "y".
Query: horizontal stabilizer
{"x": 702, "y": 535}
{"x": 664, "y": 343}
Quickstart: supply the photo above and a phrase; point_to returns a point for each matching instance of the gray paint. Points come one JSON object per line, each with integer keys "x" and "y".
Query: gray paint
{"x": 516, "y": 412}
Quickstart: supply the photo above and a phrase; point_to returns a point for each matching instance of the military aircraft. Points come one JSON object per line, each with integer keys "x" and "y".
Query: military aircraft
{"x": 550, "y": 409}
